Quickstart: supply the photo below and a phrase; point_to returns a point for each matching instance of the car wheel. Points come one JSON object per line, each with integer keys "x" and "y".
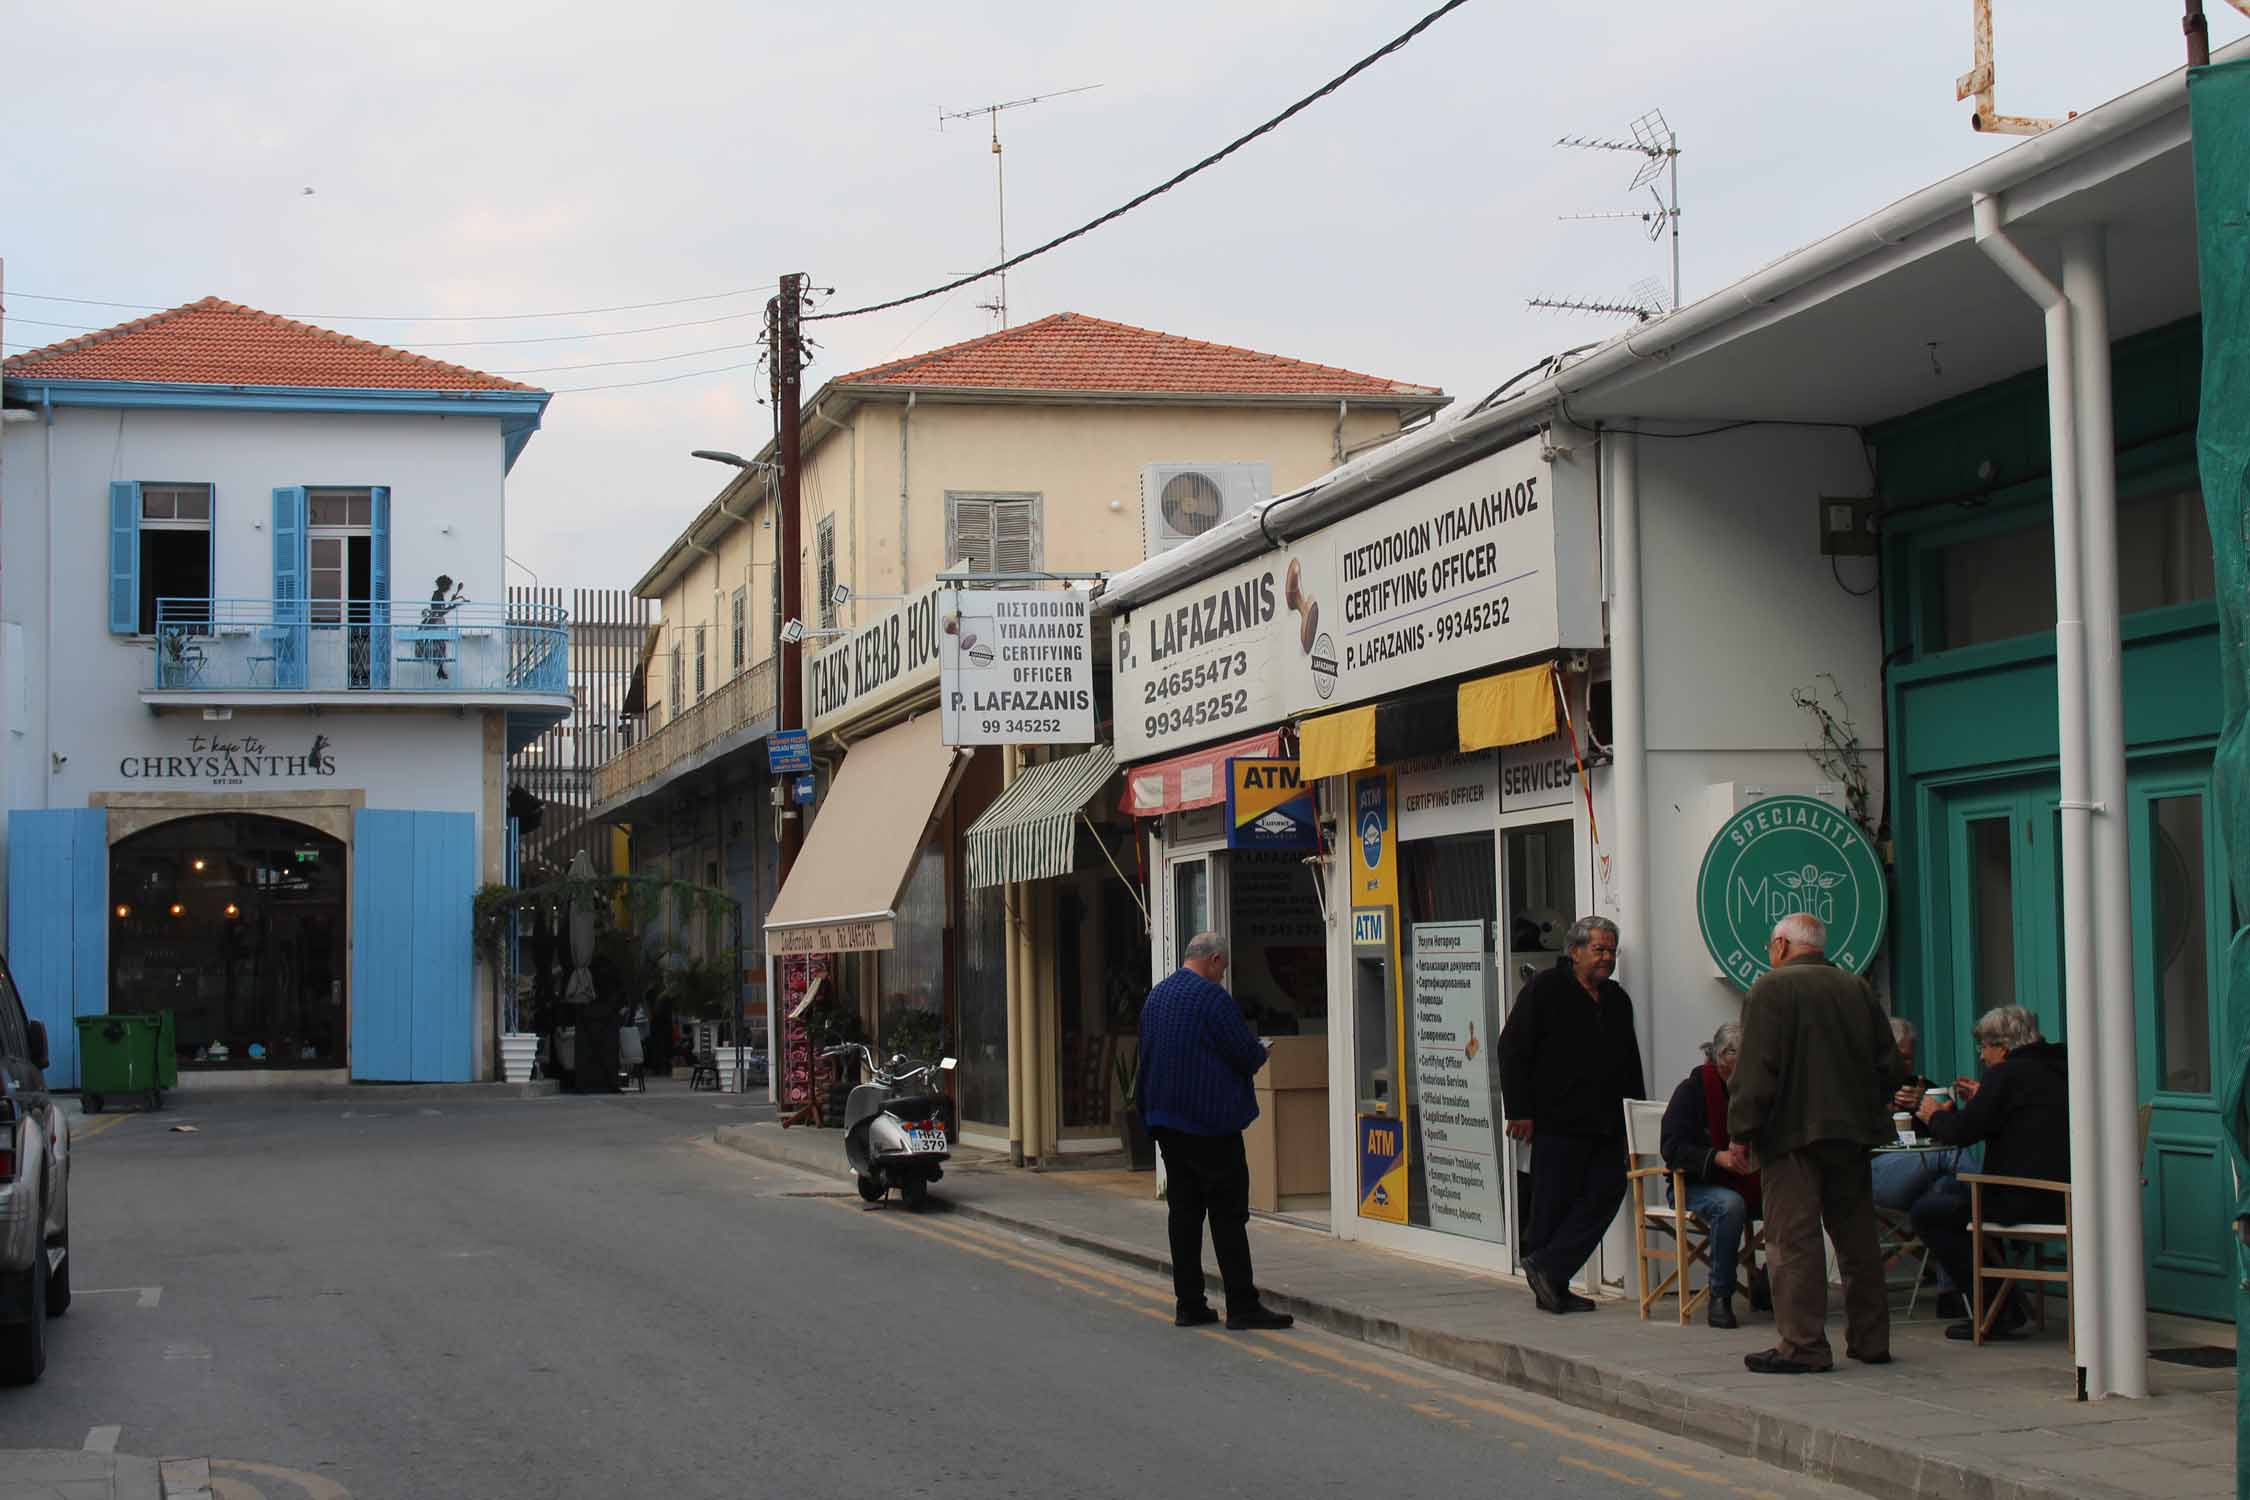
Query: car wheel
{"x": 58, "y": 1282}
{"x": 23, "y": 1346}
{"x": 93, "y": 1103}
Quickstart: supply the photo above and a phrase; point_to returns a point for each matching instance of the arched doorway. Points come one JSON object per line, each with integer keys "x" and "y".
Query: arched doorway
{"x": 234, "y": 923}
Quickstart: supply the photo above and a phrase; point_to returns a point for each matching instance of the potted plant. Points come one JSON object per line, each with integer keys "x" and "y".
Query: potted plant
{"x": 492, "y": 921}
{"x": 831, "y": 1025}
{"x": 1125, "y": 1065}
{"x": 918, "y": 1033}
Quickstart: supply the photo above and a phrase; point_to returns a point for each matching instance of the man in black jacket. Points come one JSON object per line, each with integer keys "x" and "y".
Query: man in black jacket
{"x": 2022, "y": 1114}
{"x": 1568, "y": 1062}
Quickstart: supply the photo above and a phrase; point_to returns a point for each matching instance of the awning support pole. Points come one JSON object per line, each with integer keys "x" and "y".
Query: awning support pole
{"x": 1628, "y": 711}
{"x": 2125, "y": 1332}
{"x": 2089, "y": 1213}
{"x": 1011, "y": 931}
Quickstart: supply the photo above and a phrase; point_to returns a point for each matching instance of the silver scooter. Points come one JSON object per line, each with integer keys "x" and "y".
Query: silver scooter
{"x": 898, "y": 1130}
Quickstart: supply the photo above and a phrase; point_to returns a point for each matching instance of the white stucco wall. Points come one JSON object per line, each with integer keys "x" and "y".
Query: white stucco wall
{"x": 1740, "y": 608}
{"x": 80, "y": 686}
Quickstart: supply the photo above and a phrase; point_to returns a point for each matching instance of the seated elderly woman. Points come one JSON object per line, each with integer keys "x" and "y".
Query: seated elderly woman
{"x": 1722, "y": 1187}
{"x": 2021, "y": 1114}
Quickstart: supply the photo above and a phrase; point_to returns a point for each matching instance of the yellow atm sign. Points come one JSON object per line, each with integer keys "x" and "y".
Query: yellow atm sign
{"x": 1269, "y": 805}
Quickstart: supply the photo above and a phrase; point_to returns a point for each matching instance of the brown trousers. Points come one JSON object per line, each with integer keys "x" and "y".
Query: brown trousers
{"x": 1831, "y": 1183}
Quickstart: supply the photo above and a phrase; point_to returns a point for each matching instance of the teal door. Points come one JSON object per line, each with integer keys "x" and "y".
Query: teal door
{"x": 2182, "y": 915}
{"x": 2000, "y": 880}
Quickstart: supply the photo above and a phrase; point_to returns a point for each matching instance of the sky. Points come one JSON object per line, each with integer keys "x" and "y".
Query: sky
{"x": 468, "y": 160}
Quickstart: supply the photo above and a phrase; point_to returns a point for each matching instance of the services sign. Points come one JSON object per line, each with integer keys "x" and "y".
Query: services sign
{"x": 1201, "y": 664}
{"x": 876, "y": 665}
{"x": 1784, "y": 855}
{"x": 1450, "y": 794}
{"x": 1016, "y": 667}
{"x": 1493, "y": 562}
{"x": 1538, "y": 773}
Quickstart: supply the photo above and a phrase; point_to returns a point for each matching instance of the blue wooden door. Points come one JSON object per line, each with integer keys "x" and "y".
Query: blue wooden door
{"x": 413, "y": 879}
{"x": 58, "y": 923}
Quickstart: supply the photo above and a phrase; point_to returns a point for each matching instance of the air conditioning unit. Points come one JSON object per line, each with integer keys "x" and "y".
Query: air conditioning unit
{"x": 1181, "y": 501}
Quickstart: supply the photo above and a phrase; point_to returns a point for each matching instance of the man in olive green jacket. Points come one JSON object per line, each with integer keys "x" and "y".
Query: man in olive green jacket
{"x": 1811, "y": 1094}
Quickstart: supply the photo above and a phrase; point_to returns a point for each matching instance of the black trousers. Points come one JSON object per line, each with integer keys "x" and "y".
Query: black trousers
{"x": 1577, "y": 1183}
{"x": 1208, "y": 1176}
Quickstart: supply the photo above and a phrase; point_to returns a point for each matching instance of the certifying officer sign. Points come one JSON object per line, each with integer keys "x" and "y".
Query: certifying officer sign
{"x": 1016, "y": 667}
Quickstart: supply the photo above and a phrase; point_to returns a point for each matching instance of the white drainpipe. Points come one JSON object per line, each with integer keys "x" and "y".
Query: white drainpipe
{"x": 905, "y": 418}
{"x": 2090, "y": 1294}
{"x": 1628, "y": 710}
{"x": 2086, "y": 285}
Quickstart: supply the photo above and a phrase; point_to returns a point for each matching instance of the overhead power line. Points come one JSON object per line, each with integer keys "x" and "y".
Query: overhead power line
{"x": 568, "y": 312}
{"x": 1330, "y": 87}
{"x": 552, "y": 338}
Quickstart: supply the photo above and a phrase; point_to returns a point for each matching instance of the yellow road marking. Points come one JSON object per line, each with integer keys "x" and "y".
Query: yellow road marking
{"x": 315, "y": 1486}
{"x": 1612, "y": 1446}
{"x": 1621, "y": 1477}
{"x": 87, "y": 1130}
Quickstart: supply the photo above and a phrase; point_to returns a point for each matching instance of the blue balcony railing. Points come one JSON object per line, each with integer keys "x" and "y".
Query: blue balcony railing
{"x": 360, "y": 646}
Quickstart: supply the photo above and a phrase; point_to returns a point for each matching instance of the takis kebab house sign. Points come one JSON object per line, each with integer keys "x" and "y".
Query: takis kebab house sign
{"x": 875, "y": 665}
{"x": 1778, "y": 857}
{"x": 233, "y": 760}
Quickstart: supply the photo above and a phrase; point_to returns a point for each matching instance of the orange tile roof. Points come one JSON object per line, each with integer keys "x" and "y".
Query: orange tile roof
{"x": 222, "y": 343}
{"x": 1072, "y": 352}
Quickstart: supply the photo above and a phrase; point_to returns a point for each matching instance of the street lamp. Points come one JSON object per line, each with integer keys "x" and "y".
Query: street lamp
{"x": 720, "y": 456}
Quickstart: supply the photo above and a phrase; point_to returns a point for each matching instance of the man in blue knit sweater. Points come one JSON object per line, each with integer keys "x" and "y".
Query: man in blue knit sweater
{"x": 1197, "y": 1057}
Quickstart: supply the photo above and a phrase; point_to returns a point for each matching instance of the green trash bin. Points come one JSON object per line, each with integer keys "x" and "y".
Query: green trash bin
{"x": 120, "y": 1056}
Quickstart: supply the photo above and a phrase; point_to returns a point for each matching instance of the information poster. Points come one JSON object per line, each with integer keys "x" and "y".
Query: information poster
{"x": 1452, "y": 989}
{"x": 1382, "y": 1169}
{"x": 1017, "y": 666}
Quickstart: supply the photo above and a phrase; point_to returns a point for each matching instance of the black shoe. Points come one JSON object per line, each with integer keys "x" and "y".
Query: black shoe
{"x": 2006, "y": 1329}
{"x": 1195, "y": 1317}
{"x": 1544, "y": 1291}
{"x": 1719, "y": 1313}
{"x": 1572, "y": 1302}
{"x": 1952, "y": 1305}
{"x": 1260, "y": 1316}
{"x": 1761, "y": 1292}
{"x": 1872, "y": 1359}
{"x": 1770, "y": 1362}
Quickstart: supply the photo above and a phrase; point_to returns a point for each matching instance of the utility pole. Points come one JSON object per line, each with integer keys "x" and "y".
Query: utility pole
{"x": 785, "y": 348}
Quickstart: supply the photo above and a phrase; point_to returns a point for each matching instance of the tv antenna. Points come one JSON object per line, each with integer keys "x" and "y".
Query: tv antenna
{"x": 1658, "y": 146}
{"x": 998, "y": 306}
{"x": 1644, "y": 303}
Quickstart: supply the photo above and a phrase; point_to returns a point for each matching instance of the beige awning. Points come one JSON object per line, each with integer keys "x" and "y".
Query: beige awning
{"x": 842, "y": 893}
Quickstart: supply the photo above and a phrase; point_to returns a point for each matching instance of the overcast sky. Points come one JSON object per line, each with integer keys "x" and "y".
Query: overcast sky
{"x": 502, "y": 158}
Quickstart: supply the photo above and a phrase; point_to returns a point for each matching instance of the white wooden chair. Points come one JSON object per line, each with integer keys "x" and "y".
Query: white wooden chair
{"x": 2011, "y": 1253}
{"x": 1662, "y": 1232}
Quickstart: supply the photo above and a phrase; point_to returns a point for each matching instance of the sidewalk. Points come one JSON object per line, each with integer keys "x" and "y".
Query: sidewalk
{"x": 77, "y": 1474}
{"x": 1944, "y": 1422}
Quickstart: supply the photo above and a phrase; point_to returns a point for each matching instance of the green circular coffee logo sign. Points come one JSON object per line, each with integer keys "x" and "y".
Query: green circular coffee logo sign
{"x": 1780, "y": 856}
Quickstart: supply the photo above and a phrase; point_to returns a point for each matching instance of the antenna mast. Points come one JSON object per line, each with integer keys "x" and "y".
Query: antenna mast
{"x": 999, "y": 305}
{"x": 1659, "y": 146}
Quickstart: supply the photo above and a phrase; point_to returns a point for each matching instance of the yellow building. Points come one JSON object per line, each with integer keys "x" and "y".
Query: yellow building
{"x": 1067, "y": 445}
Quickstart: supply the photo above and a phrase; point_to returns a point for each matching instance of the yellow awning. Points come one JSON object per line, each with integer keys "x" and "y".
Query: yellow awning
{"x": 1511, "y": 709}
{"x": 1337, "y": 743}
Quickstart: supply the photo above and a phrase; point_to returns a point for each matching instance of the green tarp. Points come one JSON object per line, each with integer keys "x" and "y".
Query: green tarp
{"x": 2219, "y": 118}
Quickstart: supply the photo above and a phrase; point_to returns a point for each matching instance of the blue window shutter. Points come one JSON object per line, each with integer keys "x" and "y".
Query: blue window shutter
{"x": 289, "y": 608}
{"x": 379, "y": 584}
{"x": 413, "y": 962}
{"x": 211, "y": 569}
{"x": 124, "y": 557}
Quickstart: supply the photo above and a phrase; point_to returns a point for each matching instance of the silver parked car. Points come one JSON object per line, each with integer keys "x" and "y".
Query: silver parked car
{"x": 34, "y": 1193}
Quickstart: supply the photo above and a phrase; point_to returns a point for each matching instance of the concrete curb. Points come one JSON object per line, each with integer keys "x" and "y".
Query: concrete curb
{"x": 43, "y": 1473}
{"x": 337, "y": 1093}
{"x": 1796, "y": 1444}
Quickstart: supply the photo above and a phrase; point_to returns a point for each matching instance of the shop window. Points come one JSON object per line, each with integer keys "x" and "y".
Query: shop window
{"x": 1277, "y": 943}
{"x": 2181, "y": 943}
{"x": 1542, "y": 890}
{"x": 2002, "y": 585}
{"x": 910, "y": 975}
{"x": 175, "y": 552}
{"x": 994, "y": 533}
{"x": 1449, "y": 895}
{"x": 982, "y": 1083}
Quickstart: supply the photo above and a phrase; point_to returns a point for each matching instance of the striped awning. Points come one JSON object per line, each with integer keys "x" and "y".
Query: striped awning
{"x": 1027, "y": 833}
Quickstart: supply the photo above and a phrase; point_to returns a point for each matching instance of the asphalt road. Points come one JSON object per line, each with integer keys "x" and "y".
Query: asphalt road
{"x": 585, "y": 1297}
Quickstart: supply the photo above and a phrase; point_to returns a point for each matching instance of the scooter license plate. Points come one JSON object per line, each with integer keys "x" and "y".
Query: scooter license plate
{"x": 926, "y": 1140}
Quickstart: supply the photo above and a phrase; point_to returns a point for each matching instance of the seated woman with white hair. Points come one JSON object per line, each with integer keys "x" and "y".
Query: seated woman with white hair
{"x": 1722, "y": 1187}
